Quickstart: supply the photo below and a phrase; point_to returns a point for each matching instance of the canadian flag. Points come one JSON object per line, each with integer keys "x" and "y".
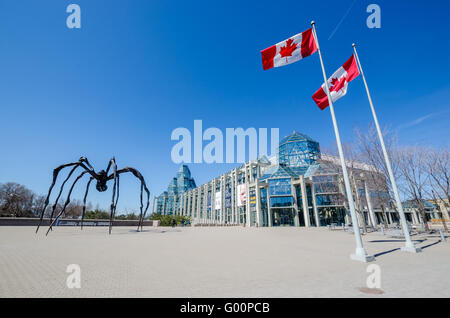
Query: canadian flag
{"x": 337, "y": 83}
{"x": 289, "y": 51}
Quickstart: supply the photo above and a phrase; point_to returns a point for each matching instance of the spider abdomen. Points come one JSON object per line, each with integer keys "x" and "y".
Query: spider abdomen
{"x": 101, "y": 187}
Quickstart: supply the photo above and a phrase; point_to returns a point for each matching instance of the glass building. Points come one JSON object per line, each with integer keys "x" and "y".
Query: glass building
{"x": 297, "y": 187}
{"x": 168, "y": 201}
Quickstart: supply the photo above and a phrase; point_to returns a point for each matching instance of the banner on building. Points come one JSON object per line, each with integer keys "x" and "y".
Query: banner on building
{"x": 228, "y": 197}
{"x": 252, "y": 197}
{"x": 218, "y": 201}
{"x": 241, "y": 195}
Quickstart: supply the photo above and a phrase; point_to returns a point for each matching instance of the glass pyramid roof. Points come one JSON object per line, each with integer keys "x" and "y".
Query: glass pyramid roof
{"x": 295, "y": 136}
{"x": 284, "y": 172}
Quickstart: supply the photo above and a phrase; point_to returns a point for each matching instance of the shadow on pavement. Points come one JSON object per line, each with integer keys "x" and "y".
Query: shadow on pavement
{"x": 393, "y": 241}
{"x": 397, "y": 249}
{"x": 387, "y": 252}
{"x": 426, "y": 246}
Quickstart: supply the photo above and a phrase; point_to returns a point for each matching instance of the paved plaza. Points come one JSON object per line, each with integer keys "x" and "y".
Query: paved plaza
{"x": 215, "y": 262}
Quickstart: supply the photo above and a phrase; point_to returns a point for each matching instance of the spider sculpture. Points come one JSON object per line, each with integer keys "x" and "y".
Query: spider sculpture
{"x": 102, "y": 178}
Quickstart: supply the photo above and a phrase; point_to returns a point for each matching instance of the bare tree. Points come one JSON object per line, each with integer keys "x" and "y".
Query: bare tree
{"x": 15, "y": 199}
{"x": 438, "y": 168}
{"x": 74, "y": 209}
{"x": 413, "y": 164}
{"x": 353, "y": 158}
{"x": 38, "y": 205}
{"x": 18, "y": 201}
{"x": 371, "y": 153}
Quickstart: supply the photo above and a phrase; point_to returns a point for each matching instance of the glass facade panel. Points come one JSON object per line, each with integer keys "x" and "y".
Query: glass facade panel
{"x": 283, "y": 217}
{"x": 329, "y": 215}
{"x": 287, "y": 201}
{"x": 280, "y": 186}
{"x": 264, "y": 210}
{"x": 329, "y": 199}
{"x": 242, "y": 215}
{"x": 253, "y": 216}
{"x": 312, "y": 217}
{"x": 326, "y": 184}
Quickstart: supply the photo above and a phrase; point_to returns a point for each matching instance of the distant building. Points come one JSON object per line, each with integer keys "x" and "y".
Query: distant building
{"x": 168, "y": 201}
{"x": 443, "y": 206}
{"x": 412, "y": 208}
{"x": 297, "y": 187}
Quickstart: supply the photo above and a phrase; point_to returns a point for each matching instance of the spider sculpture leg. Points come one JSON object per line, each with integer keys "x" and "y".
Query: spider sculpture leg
{"x": 60, "y": 192}
{"x": 146, "y": 207}
{"x": 84, "y": 200}
{"x": 144, "y": 187}
{"x": 67, "y": 200}
{"x": 117, "y": 197}
{"x": 113, "y": 162}
{"x": 140, "y": 216}
{"x": 55, "y": 176}
{"x": 141, "y": 221}
{"x": 138, "y": 175}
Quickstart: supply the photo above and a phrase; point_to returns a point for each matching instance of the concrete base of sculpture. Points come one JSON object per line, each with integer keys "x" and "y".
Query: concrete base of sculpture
{"x": 361, "y": 255}
{"x": 411, "y": 249}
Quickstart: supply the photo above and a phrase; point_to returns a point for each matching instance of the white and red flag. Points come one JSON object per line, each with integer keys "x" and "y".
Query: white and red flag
{"x": 337, "y": 83}
{"x": 289, "y": 51}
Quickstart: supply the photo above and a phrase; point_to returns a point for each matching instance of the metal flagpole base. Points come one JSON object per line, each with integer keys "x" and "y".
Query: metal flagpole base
{"x": 361, "y": 255}
{"x": 411, "y": 248}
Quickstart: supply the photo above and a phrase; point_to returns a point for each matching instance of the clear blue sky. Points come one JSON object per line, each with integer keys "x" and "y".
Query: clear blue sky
{"x": 136, "y": 70}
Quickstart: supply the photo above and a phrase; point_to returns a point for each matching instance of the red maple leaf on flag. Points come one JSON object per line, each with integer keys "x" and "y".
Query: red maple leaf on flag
{"x": 288, "y": 49}
{"x": 337, "y": 84}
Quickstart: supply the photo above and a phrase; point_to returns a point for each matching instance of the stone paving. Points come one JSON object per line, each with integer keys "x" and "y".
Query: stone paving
{"x": 215, "y": 262}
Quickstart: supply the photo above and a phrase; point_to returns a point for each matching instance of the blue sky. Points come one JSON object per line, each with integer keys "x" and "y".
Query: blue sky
{"x": 136, "y": 70}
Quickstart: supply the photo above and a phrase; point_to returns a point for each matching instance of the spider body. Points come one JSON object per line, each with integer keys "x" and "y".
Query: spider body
{"x": 101, "y": 181}
{"x": 102, "y": 177}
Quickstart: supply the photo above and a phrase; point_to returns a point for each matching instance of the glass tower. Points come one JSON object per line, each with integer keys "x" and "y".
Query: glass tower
{"x": 167, "y": 202}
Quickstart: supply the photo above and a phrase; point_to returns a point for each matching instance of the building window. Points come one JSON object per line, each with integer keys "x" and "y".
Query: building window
{"x": 280, "y": 186}
{"x": 329, "y": 215}
{"x": 264, "y": 214}
{"x": 277, "y": 202}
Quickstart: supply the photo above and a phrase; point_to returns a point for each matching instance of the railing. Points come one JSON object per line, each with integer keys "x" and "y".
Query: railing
{"x": 11, "y": 221}
{"x": 207, "y": 224}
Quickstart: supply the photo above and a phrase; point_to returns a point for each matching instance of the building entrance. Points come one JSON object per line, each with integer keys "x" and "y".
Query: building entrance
{"x": 283, "y": 217}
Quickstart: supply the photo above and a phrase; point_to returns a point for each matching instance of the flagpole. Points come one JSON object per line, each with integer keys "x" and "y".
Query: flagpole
{"x": 360, "y": 252}
{"x": 409, "y": 245}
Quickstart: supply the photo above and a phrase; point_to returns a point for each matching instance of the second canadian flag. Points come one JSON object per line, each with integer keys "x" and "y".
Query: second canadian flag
{"x": 337, "y": 83}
